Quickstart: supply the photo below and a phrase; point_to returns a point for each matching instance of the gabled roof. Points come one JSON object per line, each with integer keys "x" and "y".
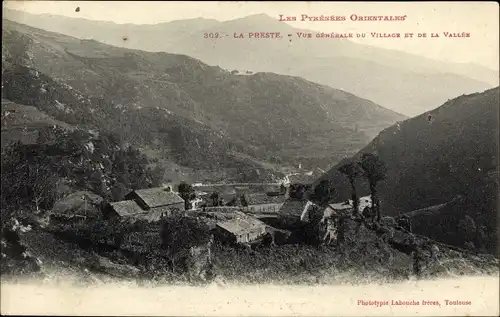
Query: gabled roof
{"x": 156, "y": 197}
{"x": 241, "y": 225}
{"x": 262, "y": 198}
{"x": 295, "y": 207}
{"x": 126, "y": 208}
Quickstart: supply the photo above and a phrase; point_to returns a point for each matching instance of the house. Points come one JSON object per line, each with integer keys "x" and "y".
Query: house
{"x": 197, "y": 203}
{"x": 283, "y": 190}
{"x": 240, "y": 230}
{"x": 348, "y": 206}
{"x": 329, "y": 219}
{"x": 295, "y": 213}
{"x": 301, "y": 178}
{"x": 123, "y": 209}
{"x": 150, "y": 204}
{"x": 339, "y": 208}
{"x": 158, "y": 200}
{"x": 77, "y": 207}
{"x": 296, "y": 209}
{"x": 262, "y": 202}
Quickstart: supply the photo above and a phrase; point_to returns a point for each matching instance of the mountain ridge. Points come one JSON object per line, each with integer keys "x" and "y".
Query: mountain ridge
{"x": 284, "y": 57}
{"x": 271, "y": 117}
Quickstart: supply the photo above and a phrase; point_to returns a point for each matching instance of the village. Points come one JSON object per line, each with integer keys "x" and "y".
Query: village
{"x": 241, "y": 213}
{"x": 201, "y": 230}
{"x": 236, "y": 215}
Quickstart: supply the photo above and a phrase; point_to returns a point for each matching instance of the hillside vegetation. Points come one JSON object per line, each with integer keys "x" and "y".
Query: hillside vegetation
{"x": 273, "y": 118}
{"x": 400, "y": 81}
{"x": 447, "y": 155}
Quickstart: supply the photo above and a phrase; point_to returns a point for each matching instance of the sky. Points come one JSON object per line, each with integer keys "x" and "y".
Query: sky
{"x": 479, "y": 19}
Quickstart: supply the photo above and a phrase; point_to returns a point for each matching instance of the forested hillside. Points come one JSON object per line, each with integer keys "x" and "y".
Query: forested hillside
{"x": 447, "y": 155}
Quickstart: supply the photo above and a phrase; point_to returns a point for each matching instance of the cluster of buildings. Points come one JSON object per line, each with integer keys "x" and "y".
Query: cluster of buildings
{"x": 244, "y": 220}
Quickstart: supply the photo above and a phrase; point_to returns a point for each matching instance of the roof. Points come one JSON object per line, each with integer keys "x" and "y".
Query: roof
{"x": 241, "y": 225}
{"x": 364, "y": 201}
{"x": 301, "y": 179}
{"x": 262, "y": 198}
{"x": 126, "y": 207}
{"x": 295, "y": 207}
{"x": 78, "y": 203}
{"x": 156, "y": 197}
{"x": 341, "y": 206}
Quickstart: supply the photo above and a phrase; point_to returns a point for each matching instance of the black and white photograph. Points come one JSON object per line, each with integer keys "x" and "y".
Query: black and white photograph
{"x": 250, "y": 158}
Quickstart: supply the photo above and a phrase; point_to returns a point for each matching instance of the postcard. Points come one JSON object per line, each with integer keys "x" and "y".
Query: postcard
{"x": 249, "y": 158}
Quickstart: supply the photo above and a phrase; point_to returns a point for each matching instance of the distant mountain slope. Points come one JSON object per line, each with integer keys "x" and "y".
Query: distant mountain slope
{"x": 400, "y": 81}
{"x": 267, "y": 116}
{"x": 431, "y": 161}
{"x": 26, "y": 123}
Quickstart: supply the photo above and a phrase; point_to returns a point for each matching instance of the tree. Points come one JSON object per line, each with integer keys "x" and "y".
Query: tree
{"x": 323, "y": 192}
{"x": 96, "y": 182}
{"x": 181, "y": 233}
{"x": 352, "y": 170}
{"x": 118, "y": 191}
{"x": 42, "y": 187}
{"x": 468, "y": 227}
{"x": 233, "y": 202}
{"x": 215, "y": 196}
{"x": 297, "y": 191}
{"x": 186, "y": 191}
{"x": 244, "y": 200}
{"x": 374, "y": 170}
{"x": 282, "y": 188}
{"x": 27, "y": 178}
{"x": 157, "y": 174}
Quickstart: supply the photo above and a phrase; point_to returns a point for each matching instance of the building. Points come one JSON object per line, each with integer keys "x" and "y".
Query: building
{"x": 348, "y": 206}
{"x": 302, "y": 179}
{"x": 150, "y": 204}
{"x": 123, "y": 209}
{"x": 77, "y": 207}
{"x": 296, "y": 209}
{"x": 338, "y": 208}
{"x": 197, "y": 203}
{"x": 158, "y": 199}
{"x": 240, "y": 230}
{"x": 263, "y": 203}
{"x": 328, "y": 220}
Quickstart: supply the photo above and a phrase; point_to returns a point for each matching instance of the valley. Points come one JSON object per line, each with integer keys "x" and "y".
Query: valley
{"x": 192, "y": 160}
{"x": 340, "y": 63}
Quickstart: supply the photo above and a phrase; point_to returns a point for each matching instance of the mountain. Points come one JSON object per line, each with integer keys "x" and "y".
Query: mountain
{"x": 200, "y": 116}
{"x": 400, "y": 81}
{"x": 448, "y": 161}
{"x": 26, "y": 123}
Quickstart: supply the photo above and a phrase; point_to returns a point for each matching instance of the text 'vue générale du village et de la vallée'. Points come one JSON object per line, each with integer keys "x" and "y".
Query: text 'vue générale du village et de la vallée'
{"x": 392, "y": 302}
